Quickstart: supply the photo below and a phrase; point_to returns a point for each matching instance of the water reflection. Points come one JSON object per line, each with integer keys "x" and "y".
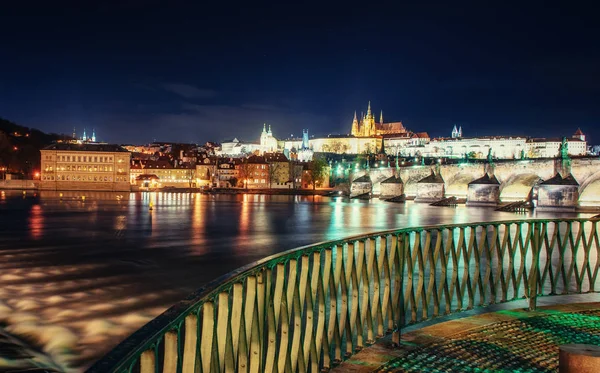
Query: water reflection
{"x": 112, "y": 263}
{"x": 36, "y": 222}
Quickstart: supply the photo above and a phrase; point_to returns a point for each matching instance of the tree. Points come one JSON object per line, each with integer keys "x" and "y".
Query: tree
{"x": 317, "y": 170}
{"x": 233, "y": 181}
{"x": 190, "y": 174}
{"x": 272, "y": 170}
{"x": 245, "y": 170}
{"x": 295, "y": 172}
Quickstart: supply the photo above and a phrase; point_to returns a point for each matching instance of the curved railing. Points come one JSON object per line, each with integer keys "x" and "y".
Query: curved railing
{"x": 309, "y": 308}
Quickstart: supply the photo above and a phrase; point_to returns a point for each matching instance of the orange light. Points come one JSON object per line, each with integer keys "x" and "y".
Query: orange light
{"x": 14, "y": 148}
{"x": 37, "y": 174}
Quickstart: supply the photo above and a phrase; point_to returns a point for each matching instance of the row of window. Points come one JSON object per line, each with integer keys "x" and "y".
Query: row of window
{"x": 94, "y": 168}
{"x": 80, "y": 158}
{"x": 83, "y": 178}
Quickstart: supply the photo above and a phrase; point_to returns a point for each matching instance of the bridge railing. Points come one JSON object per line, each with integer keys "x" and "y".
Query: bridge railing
{"x": 309, "y": 308}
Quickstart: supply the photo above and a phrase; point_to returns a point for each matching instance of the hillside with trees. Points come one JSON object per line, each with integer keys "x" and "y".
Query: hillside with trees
{"x": 20, "y": 148}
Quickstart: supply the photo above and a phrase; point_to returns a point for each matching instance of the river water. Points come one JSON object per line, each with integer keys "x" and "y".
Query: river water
{"x": 79, "y": 275}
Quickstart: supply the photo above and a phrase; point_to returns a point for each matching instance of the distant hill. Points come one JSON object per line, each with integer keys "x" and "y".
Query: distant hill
{"x": 20, "y": 147}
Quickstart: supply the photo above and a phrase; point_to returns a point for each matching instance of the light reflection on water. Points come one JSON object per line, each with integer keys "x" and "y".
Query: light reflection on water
{"x": 103, "y": 267}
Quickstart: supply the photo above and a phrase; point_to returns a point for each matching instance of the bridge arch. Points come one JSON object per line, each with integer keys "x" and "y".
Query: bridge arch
{"x": 518, "y": 187}
{"x": 589, "y": 190}
{"x": 458, "y": 184}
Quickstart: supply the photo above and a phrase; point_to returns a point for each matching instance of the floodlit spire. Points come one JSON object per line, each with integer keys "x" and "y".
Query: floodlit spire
{"x": 355, "y": 128}
{"x": 93, "y": 135}
{"x": 84, "y": 136}
{"x": 460, "y": 131}
{"x": 369, "y": 109}
{"x": 381, "y": 117}
{"x": 270, "y": 129}
{"x": 264, "y": 127}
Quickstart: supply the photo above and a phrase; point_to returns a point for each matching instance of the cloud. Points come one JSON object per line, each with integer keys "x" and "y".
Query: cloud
{"x": 189, "y": 91}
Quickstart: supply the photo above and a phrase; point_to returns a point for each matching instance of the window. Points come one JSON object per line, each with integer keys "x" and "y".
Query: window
{"x": 79, "y": 159}
{"x": 95, "y": 159}
{"x": 68, "y": 168}
{"x": 85, "y": 159}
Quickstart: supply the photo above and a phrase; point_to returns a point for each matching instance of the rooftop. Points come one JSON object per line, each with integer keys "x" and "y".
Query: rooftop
{"x": 87, "y": 147}
{"x": 486, "y": 179}
{"x": 392, "y": 180}
{"x": 432, "y": 179}
{"x": 559, "y": 180}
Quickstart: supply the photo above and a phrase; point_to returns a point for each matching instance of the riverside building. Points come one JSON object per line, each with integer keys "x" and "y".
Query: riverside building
{"x": 84, "y": 166}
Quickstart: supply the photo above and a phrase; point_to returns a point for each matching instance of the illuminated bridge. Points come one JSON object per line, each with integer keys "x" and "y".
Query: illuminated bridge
{"x": 313, "y": 308}
{"x": 516, "y": 177}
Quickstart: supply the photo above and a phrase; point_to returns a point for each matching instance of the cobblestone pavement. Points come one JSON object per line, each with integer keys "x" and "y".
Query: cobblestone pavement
{"x": 504, "y": 341}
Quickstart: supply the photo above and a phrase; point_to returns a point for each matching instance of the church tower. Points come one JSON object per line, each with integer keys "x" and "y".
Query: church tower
{"x": 263, "y": 136}
{"x": 84, "y": 138}
{"x": 381, "y": 117}
{"x": 355, "y": 129}
{"x": 454, "y": 132}
{"x": 305, "y": 138}
{"x": 93, "y": 135}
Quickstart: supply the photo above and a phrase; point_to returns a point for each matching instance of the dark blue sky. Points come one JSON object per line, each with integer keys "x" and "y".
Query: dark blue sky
{"x": 182, "y": 71}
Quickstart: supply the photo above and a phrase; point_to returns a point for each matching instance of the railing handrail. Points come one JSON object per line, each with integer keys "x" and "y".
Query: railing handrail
{"x": 146, "y": 337}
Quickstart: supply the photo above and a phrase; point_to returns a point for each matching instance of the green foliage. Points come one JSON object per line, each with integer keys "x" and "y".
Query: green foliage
{"x": 318, "y": 170}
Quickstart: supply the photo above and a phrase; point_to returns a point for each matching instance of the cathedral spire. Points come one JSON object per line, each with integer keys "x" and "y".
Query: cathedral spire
{"x": 270, "y": 130}
{"x": 381, "y": 117}
{"x": 369, "y": 110}
{"x": 354, "y": 131}
{"x": 264, "y": 127}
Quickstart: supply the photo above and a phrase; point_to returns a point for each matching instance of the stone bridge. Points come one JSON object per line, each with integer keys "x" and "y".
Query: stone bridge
{"x": 516, "y": 177}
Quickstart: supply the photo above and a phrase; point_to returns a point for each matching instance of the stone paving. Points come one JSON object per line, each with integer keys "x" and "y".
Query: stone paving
{"x": 507, "y": 340}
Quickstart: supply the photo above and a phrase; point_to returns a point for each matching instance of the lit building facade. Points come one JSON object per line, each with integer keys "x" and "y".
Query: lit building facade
{"x": 501, "y": 147}
{"x": 161, "y": 174}
{"x": 236, "y": 148}
{"x": 72, "y": 166}
{"x": 367, "y": 127}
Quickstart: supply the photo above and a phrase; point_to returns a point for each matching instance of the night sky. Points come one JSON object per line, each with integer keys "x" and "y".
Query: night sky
{"x": 192, "y": 72}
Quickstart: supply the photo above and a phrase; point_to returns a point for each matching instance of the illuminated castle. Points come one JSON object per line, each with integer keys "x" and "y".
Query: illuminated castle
{"x": 367, "y": 127}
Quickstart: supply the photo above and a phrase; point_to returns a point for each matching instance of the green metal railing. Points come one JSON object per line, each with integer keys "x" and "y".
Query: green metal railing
{"x": 309, "y": 308}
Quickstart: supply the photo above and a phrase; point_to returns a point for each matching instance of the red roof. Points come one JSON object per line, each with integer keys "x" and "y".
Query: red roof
{"x": 421, "y": 135}
{"x": 578, "y": 132}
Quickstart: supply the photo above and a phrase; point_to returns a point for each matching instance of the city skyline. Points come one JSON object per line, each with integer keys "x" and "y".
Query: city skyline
{"x": 137, "y": 72}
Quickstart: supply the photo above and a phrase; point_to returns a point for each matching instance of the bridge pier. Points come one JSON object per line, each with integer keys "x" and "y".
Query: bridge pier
{"x": 430, "y": 189}
{"x": 484, "y": 191}
{"x": 558, "y": 194}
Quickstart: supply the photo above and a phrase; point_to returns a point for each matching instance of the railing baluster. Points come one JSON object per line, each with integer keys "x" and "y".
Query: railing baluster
{"x": 190, "y": 344}
{"x": 308, "y": 309}
{"x": 171, "y": 353}
{"x": 148, "y": 361}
